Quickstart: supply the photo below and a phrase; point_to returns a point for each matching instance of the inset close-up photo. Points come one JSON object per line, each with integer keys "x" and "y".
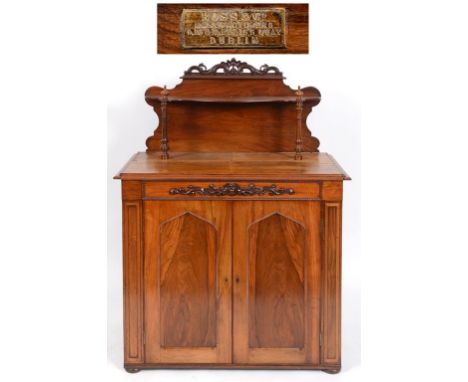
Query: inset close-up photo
{"x": 198, "y": 28}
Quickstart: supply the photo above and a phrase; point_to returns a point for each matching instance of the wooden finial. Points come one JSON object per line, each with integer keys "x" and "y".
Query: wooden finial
{"x": 299, "y": 107}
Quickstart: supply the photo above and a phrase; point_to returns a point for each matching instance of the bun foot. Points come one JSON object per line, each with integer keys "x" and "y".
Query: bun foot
{"x": 132, "y": 370}
{"x": 332, "y": 371}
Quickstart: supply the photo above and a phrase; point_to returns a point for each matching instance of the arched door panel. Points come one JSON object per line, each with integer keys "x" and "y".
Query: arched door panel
{"x": 277, "y": 271}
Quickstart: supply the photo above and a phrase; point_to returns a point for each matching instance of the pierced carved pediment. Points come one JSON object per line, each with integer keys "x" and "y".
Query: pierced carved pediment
{"x": 232, "y": 67}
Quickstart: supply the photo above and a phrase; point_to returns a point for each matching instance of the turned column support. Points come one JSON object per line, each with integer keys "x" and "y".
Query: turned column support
{"x": 164, "y": 146}
{"x": 299, "y": 107}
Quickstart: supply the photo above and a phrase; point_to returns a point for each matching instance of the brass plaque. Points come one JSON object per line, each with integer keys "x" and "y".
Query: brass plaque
{"x": 233, "y": 28}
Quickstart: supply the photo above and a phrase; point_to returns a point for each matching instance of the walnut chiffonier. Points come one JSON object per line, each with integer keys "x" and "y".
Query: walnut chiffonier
{"x": 232, "y": 228}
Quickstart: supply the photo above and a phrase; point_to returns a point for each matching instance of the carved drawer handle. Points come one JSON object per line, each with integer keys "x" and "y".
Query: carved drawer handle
{"x": 231, "y": 189}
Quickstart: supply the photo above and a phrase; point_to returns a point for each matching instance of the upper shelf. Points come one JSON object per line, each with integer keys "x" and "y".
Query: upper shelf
{"x": 234, "y": 99}
{"x": 233, "y": 82}
{"x": 232, "y": 107}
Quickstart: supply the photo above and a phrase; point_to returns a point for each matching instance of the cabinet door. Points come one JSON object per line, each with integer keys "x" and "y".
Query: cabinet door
{"x": 187, "y": 248}
{"x": 276, "y": 260}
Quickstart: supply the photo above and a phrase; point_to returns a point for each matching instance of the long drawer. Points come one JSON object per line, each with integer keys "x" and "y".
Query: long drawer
{"x": 231, "y": 190}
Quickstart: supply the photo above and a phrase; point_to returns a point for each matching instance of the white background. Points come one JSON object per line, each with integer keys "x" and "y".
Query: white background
{"x": 401, "y": 65}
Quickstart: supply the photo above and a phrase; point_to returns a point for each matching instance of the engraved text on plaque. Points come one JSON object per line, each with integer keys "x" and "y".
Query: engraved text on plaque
{"x": 233, "y": 28}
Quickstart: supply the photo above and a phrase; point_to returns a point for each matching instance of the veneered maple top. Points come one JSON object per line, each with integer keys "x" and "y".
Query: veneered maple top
{"x": 232, "y": 165}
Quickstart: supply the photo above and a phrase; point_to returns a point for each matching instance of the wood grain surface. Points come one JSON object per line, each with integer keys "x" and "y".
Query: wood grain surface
{"x": 276, "y": 264}
{"x": 276, "y": 283}
{"x": 133, "y": 281}
{"x": 188, "y": 290}
{"x": 196, "y": 166}
{"x": 331, "y": 312}
{"x": 187, "y": 281}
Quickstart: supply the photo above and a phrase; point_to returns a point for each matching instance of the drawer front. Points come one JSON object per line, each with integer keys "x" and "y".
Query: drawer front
{"x": 231, "y": 190}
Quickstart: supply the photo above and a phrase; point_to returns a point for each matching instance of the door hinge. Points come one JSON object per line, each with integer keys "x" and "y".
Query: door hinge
{"x": 144, "y": 337}
{"x": 320, "y": 339}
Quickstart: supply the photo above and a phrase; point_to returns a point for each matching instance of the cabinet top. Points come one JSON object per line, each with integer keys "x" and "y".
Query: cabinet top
{"x": 232, "y": 166}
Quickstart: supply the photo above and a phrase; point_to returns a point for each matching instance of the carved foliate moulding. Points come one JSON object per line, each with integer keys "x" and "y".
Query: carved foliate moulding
{"x": 232, "y": 67}
{"x": 231, "y": 189}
